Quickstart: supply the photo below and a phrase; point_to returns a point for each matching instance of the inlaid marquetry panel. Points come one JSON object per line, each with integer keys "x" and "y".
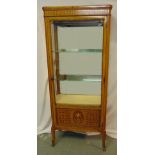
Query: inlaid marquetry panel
{"x": 78, "y": 117}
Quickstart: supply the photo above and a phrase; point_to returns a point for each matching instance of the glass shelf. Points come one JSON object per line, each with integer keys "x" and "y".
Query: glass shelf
{"x": 85, "y": 78}
{"x": 80, "y": 50}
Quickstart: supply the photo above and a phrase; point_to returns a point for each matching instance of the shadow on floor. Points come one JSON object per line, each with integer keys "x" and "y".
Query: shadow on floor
{"x": 70, "y": 143}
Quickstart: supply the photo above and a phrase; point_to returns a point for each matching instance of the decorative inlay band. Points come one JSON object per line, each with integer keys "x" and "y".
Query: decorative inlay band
{"x": 55, "y": 13}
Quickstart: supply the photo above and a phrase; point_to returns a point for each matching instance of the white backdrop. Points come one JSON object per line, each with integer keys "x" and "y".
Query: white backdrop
{"x": 44, "y": 115}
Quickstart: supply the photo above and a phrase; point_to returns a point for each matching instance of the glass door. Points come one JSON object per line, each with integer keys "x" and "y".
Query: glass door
{"x": 77, "y": 50}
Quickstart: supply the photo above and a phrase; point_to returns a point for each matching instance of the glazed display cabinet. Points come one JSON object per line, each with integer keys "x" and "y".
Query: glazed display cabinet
{"x": 77, "y": 42}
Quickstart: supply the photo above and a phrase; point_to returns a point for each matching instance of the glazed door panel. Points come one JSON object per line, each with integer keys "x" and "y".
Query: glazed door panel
{"x": 77, "y": 54}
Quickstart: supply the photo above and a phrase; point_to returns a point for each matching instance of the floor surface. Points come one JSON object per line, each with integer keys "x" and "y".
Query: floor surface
{"x": 69, "y": 143}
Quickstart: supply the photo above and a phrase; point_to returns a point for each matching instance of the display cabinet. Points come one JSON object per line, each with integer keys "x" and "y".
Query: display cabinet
{"x": 77, "y": 42}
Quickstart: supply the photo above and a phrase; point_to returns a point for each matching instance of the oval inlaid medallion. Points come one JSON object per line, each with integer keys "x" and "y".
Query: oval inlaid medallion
{"x": 78, "y": 117}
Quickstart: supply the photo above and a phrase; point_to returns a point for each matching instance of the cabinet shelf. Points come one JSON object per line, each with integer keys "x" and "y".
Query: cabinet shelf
{"x": 84, "y": 100}
{"x": 84, "y": 78}
{"x": 79, "y": 50}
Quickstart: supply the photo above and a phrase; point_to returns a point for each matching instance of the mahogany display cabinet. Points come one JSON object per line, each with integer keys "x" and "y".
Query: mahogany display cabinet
{"x": 77, "y": 43}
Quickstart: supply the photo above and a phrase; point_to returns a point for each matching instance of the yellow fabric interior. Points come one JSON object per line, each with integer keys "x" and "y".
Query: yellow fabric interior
{"x": 88, "y": 100}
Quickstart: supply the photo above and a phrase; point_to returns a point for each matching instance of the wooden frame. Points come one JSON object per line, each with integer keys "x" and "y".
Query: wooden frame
{"x": 70, "y": 117}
